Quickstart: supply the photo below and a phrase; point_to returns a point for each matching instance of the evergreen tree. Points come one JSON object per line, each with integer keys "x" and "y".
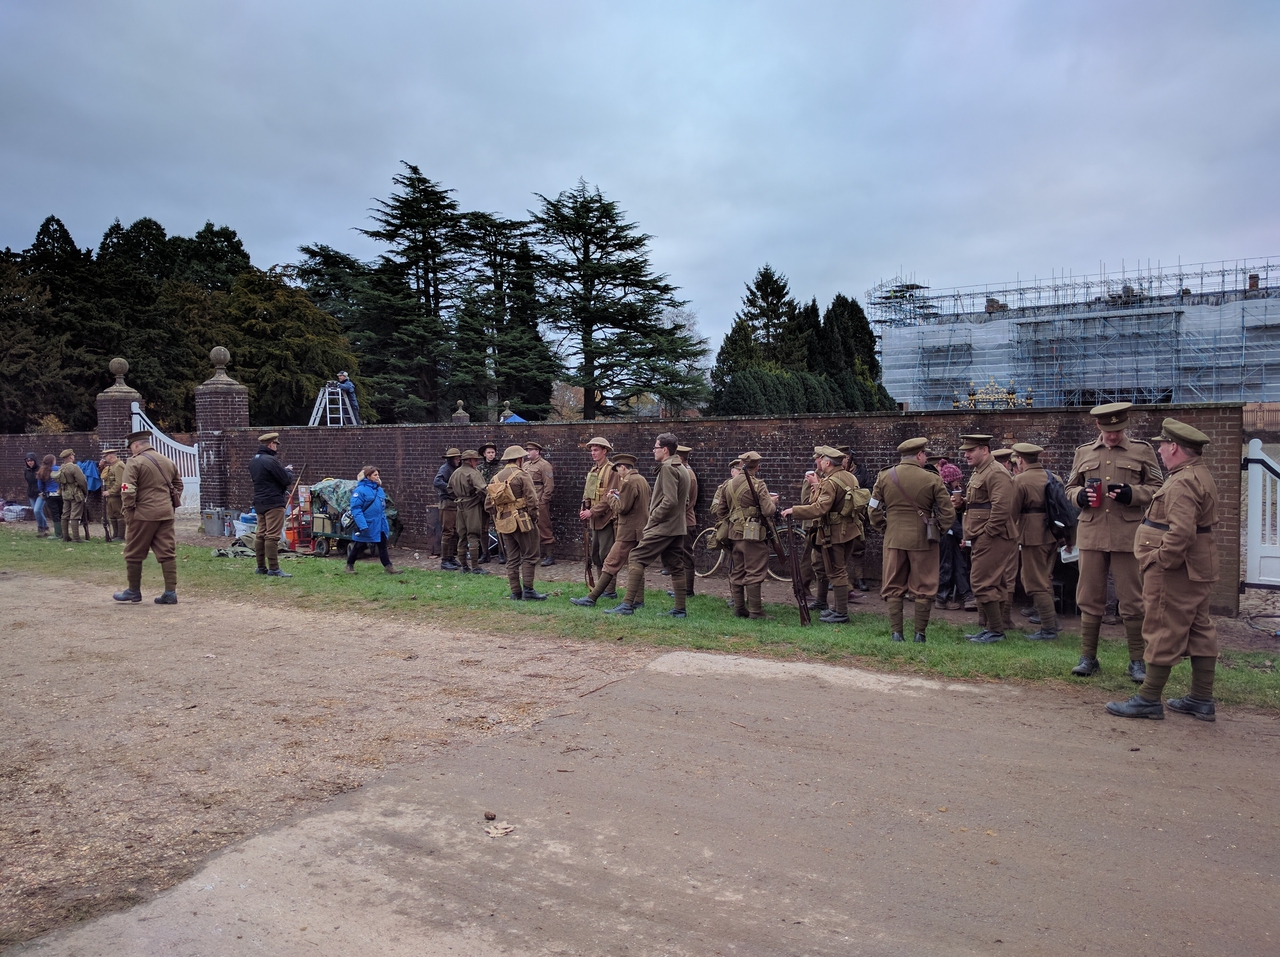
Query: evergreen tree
{"x": 800, "y": 340}
{"x": 34, "y": 381}
{"x": 847, "y": 338}
{"x": 607, "y": 304}
{"x": 767, "y": 308}
{"x": 526, "y": 366}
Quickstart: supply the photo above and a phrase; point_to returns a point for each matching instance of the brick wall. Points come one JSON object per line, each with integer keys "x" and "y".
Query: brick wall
{"x": 408, "y": 456}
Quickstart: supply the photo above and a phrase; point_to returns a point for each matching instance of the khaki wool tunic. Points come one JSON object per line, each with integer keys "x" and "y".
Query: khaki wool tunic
{"x": 1039, "y": 547}
{"x": 595, "y": 494}
{"x": 750, "y": 559}
{"x": 631, "y": 506}
{"x": 148, "y": 507}
{"x": 468, "y": 488}
{"x": 989, "y": 523}
{"x": 1178, "y": 557}
{"x": 909, "y": 561}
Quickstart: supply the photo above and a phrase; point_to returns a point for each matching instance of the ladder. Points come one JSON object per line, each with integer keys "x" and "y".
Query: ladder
{"x": 332, "y": 407}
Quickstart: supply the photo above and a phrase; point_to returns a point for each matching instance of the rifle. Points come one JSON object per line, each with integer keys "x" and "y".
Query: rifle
{"x": 771, "y": 533}
{"x": 586, "y": 548}
{"x": 797, "y": 586}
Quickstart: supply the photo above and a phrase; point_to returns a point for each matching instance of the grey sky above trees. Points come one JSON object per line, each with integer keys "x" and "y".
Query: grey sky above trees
{"x": 964, "y": 142}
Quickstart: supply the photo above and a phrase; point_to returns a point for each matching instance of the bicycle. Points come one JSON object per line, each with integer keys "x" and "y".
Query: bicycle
{"x": 706, "y": 560}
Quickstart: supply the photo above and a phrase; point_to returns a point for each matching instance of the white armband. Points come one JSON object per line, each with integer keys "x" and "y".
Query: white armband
{"x": 874, "y": 503}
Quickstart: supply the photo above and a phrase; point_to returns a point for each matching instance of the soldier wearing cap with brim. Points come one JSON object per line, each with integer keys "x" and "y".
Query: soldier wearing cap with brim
{"x": 805, "y": 492}
{"x": 1113, "y": 480}
{"x": 112, "y": 475}
{"x": 1038, "y": 544}
{"x": 991, "y": 532}
{"x": 1176, "y": 552}
{"x": 512, "y": 503}
{"x": 489, "y": 466}
{"x": 628, "y": 500}
{"x": 148, "y": 493}
{"x": 690, "y": 519}
{"x": 664, "y": 530}
{"x": 272, "y": 484}
{"x": 834, "y": 527}
{"x": 543, "y": 476}
{"x": 749, "y": 507}
{"x": 1006, "y": 459}
{"x": 735, "y": 469}
{"x": 857, "y": 547}
{"x": 904, "y": 499}
{"x": 448, "y": 510}
{"x": 75, "y": 491}
{"x": 467, "y": 486}
{"x": 596, "y": 512}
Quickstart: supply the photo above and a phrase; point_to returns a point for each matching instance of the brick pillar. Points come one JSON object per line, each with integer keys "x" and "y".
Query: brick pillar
{"x": 115, "y": 408}
{"x": 222, "y": 403}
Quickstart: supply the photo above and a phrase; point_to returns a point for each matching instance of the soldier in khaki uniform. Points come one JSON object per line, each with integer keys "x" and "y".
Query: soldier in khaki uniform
{"x": 628, "y": 502}
{"x": 112, "y": 476}
{"x": 1039, "y": 546}
{"x": 543, "y": 477}
{"x": 991, "y": 529}
{"x": 150, "y": 486}
{"x": 1112, "y": 479}
{"x": 807, "y": 489}
{"x": 857, "y": 547}
{"x": 903, "y": 497}
{"x": 748, "y": 513}
{"x": 831, "y": 509}
{"x": 690, "y": 519}
{"x": 596, "y": 511}
{"x": 467, "y": 486}
{"x": 517, "y": 522}
{"x": 1178, "y": 558}
{"x": 448, "y": 510}
{"x": 663, "y": 534}
{"x": 75, "y": 490}
{"x": 1004, "y": 457}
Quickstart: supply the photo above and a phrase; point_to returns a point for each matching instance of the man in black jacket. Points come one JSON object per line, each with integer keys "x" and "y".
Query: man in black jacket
{"x": 271, "y": 484}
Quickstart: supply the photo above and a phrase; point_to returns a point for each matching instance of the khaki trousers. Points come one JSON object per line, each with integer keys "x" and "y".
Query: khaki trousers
{"x": 989, "y": 568}
{"x": 910, "y": 570}
{"x": 266, "y": 543}
{"x": 1177, "y": 624}
{"x": 142, "y": 537}
{"x": 750, "y": 563}
{"x": 1091, "y": 592}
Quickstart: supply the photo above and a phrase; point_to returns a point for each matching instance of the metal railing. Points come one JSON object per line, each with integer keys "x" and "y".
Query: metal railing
{"x": 186, "y": 457}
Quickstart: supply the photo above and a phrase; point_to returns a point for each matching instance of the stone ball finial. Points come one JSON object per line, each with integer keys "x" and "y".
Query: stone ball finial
{"x": 118, "y": 368}
{"x": 506, "y": 405}
{"x": 219, "y": 356}
{"x": 459, "y": 405}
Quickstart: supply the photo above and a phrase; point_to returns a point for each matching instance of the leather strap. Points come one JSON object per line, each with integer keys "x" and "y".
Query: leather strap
{"x": 1200, "y": 529}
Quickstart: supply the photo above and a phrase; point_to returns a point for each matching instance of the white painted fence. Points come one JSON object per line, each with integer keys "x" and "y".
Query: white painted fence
{"x": 186, "y": 457}
{"x": 1262, "y": 522}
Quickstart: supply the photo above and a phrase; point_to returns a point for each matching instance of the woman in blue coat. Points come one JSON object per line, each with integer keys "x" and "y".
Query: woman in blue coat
{"x": 369, "y": 510}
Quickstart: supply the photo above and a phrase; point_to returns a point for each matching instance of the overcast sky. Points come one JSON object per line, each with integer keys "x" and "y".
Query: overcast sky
{"x": 960, "y": 142}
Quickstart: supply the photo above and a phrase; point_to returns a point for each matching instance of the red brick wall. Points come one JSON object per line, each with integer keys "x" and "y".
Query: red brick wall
{"x": 408, "y": 456}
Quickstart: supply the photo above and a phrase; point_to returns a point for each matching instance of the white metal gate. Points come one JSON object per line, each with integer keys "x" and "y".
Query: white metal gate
{"x": 186, "y": 457}
{"x": 1262, "y": 522}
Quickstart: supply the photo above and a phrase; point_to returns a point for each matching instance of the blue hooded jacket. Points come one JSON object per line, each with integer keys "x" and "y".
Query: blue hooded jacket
{"x": 368, "y": 509}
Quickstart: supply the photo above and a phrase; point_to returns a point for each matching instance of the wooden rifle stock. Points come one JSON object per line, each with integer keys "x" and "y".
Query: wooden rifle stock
{"x": 771, "y": 533}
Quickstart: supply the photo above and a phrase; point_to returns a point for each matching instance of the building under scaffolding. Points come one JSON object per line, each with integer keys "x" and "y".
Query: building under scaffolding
{"x": 1203, "y": 333}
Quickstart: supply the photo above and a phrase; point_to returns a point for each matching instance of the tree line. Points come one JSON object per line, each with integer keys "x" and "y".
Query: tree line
{"x": 457, "y": 305}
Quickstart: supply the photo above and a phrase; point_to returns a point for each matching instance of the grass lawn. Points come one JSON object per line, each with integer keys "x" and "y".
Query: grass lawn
{"x": 480, "y": 603}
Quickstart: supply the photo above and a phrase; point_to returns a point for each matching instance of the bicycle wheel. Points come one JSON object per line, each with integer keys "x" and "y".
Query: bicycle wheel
{"x": 778, "y": 569}
{"x": 705, "y": 560}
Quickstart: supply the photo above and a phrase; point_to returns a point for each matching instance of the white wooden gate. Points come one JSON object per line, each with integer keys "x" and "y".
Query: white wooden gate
{"x": 186, "y": 457}
{"x": 1262, "y": 522}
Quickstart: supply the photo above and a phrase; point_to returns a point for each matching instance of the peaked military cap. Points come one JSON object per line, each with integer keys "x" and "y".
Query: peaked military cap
{"x": 512, "y": 452}
{"x": 1001, "y": 454}
{"x": 268, "y": 437}
{"x": 736, "y": 464}
{"x": 830, "y": 451}
{"x": 106, "y": 452}
{"x": 974, "y": 441}
{"x": 912, "y": 446}
{"x": 142, "y": 435}
{"x": 451, "y": 452}
{"x": 66, "y": 453}
{"x": 533, "y": 445}
{"x": 1112, "y": 415}
{"x": 470, "y": 454}
{"x": 748, "y": 458}
{"x": 683, "y": 449}
{"x": 624, "y": 458}
{"x": 1026, "y": 448}
{"x": 1171, "y": 430}
{"x": 600, "y": 441}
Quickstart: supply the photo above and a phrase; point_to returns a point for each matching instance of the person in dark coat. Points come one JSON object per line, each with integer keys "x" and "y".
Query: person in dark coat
{"x": 349, "y": 390}
{"x": 271, "y": 488}
{"x": 369, "y": 510}
{"x": 31, "y": 472}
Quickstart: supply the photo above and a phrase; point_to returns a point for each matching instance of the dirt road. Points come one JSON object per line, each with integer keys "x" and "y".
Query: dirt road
{"x": 700, "y": 805}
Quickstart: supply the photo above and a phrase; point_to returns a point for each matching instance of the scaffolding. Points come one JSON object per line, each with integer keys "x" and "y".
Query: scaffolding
{"x": 1203, "y": 333}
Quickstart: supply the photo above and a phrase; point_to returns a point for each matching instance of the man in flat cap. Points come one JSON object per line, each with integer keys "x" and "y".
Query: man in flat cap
{"x": 991, "y": 530}
{"x": 151, "y": 487}
{"x": 448, "y": 511}
{"x": 467, "y": 486}
{"x": 1178, "y": 557}
{"x": 1113, "y": 479}
{"x": 663, "y": 535}
{"x": 596, "y": 512}
{"x": 748, "y": 506}
{"x": 543, "y": 476}
{"x": 112, "y": 476}
{"x": 905, "y": 498}
{"x": 1038, "y": 542}
{"x": 628, "y": 501}
{"x": 271, "y": 485}
{"x": 512, "y": 502}
{"x": 75, "y": 491}
{"x": 831, "y": 510}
